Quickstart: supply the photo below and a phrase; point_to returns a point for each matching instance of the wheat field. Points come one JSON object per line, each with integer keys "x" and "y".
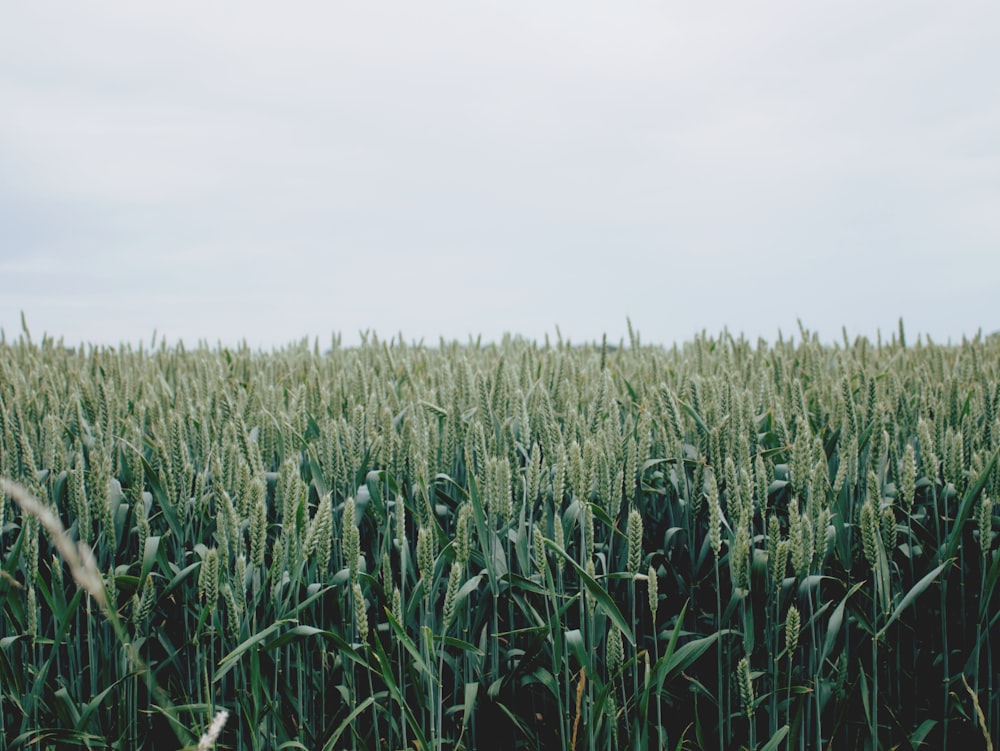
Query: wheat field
{"x": 519, "y": 545}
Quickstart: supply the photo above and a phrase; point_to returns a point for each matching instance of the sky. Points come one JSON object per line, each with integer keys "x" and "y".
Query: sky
{"x": 261, "y": 172}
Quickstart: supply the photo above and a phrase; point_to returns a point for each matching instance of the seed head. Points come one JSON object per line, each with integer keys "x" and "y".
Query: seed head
{"x": 142, "y": 604}
{"x": 985, "y": 524}
{"x": 352, "y": 539}
{"x": 426, "y": 555}
{"x": 397, "y": 605}
{"x": 214, "y": 731}
{"x": 746, "y": 685}
{"x": 451, "y": 595}
{"x": 541, "y": 561}
{"x": 614, "y": 649}
{"x": 320, "y": 535}
{"x": 634, "y": 541}
{"x": 652, "y": 592}
{"x": 258, "y": 524}
{"x": 714, "y": 517}
{"x": 208, "y": 578}
{"x": 760, "y": 475}
{"x": 360, "y": 613}
{"x": 793, "y": 623}
{"x": 463, "y": 534}
{"x": 870, "y": 532}
{"x": 888, "y": 530}
{"x": 908, "y": 477}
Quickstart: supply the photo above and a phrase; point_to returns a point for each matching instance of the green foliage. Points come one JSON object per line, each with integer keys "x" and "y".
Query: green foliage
{"x": 513, "y": 545}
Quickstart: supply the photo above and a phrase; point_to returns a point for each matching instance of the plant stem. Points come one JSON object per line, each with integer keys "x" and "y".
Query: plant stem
{"x": 718, "y": 610}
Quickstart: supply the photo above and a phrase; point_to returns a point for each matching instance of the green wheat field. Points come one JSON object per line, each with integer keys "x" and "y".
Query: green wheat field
{"x": 521, "y": 545}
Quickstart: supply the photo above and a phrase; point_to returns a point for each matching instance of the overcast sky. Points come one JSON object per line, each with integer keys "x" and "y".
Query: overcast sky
{"x": 269, "y": 171}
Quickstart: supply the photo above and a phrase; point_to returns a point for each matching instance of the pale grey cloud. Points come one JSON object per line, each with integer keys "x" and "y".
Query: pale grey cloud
{"x": 454, "y": 168}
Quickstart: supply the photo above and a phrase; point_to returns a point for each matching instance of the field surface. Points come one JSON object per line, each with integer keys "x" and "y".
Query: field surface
{"x": 725, "y": 544}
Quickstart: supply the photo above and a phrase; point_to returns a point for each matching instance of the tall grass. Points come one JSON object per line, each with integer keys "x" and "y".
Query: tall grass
{"x": 521, "y": 545}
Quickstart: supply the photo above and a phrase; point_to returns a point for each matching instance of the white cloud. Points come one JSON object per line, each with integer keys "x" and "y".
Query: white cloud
{"x": 460, "y": 167}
